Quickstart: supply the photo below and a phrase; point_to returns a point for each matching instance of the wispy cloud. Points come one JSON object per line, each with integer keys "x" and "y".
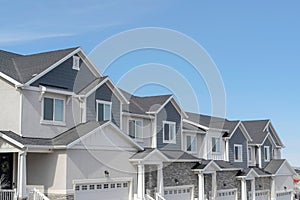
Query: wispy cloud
{"x": 16, "y": 36}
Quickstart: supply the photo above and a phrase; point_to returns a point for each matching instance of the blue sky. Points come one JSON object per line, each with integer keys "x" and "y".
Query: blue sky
{"x": 255, "y": 46}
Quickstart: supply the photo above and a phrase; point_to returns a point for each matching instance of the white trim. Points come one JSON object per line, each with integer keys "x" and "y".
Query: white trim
{"x": 170, "y": 133}
{"x": 268, "y": 154}
{"x": 125, "y": 136}
{"x": 289, "y": 167}
{"x": 104, "y": 103}
{"x": 76, "y": 63}
{"x": 5, "y": 137}
{"x": 177, "y": 106}
{"x": 143, "y": 160}
{"x": 243, "y": 129}
{"x": 53, "y": 121}
{"x": 193, "y": 136}
{"x": 49, "y": 90}
{"x": 9, "y": 79}
{"x": 193, "y": 131}
{"x": 196, "y": 124}
{"x": 137, "y": 115}
{"x": 240, "y": 147}
{"x": 21, "y": 113}
{"x": 154, "y": 132}
{"x": 220, "y": 146}
{"x": 89, "y": 63}
{"x": 52, "y": 67}
{"x": 101, "y": 180}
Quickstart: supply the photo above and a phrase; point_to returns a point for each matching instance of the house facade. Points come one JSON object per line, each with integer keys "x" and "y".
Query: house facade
{"x": 67, "y": 132}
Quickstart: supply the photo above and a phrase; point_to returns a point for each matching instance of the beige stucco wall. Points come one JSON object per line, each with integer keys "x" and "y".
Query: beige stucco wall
{"x": 47, "y": 171}
{"x": 9, "y": 107}
{"x": 147, "y": 129}
{"x": 32, "y": 115}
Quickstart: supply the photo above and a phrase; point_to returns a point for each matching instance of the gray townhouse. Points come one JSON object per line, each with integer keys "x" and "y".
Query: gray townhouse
{"x": 67, "y": 132}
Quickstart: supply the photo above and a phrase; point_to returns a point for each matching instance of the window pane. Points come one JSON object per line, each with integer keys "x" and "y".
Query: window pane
{"x": 218, "y": 145}
{"x": 188, "y": 143}
{"x": 166, "y": 132}
{"x": 106, "y": 112}
{"x": 48, "y": 109}
{"x": 131, "y": 129}
{"x": 236, "y": 152}
{"x": 100, "y": 112}
{"x": 172, "y": 132}
{"x": 59, "y": 110}
{"x": 249, "y": 154}
{"x": 138, "y": 129}
{"x": 213, "y": 143}
{"x": 193, "y": 145}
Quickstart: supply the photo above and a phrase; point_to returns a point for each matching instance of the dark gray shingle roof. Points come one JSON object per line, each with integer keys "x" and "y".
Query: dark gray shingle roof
{"x": 274, "y": 165}
{"x": 22, "y": 68}
{"x": 92, "y": 85}
{"x": 255, "y": 129}
{"x": 190, "y": 127}
{"x": 64, "y": 138}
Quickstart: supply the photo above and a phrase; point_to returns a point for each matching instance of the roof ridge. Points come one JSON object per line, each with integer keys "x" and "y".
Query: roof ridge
{"x": 51, "y": 51}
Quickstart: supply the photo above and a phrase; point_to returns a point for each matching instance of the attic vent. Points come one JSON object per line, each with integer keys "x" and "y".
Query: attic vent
{"x": 33, "y": 75}
{"x": 75, "y": 63}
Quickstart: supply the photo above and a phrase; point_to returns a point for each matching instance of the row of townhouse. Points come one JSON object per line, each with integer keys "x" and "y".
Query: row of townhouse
{"x": 68, "y": 132}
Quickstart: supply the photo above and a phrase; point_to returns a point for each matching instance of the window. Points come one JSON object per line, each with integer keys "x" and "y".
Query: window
{"x": 53, "y": 109}
{"x": 76, "y": 63}
{"x": 216, "y": 145}
{"x": 250, "y": 154}
{"x": 191, "y": 142}
{"x": 238, "y": 153}
{"x": 169, "y": 132}
{"x": 267, "y": 153}
{"x": 103, "y": 110}
{"x": 136, "y": 129}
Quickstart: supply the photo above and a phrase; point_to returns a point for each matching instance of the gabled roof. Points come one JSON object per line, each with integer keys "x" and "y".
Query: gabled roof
{"x": 276, "y": 164}
{"x": 219, "y": 164}
{"x": 255, "y": 129}
{"x": 92, "y": 85}
{"x": 192, "y": 128}
{"x": 258, "y": 172}
{"x": 23, "y": 68}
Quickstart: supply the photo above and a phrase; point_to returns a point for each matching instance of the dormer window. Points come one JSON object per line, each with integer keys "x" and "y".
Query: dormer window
{"x": 267, "y": 153}
{"x": 216, "y": 145}
{"x": 191, "y": 142}
{"x": 76, "y": 63}
{"x": 238, "y": 153}
{"x": 169, "y": 132}
{"x": 53, "y": 109}
{"x": 103, "y": 110}
{"x": 135, "y": 129}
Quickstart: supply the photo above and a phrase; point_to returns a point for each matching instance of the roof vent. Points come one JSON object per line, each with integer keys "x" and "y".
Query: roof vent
{"x": 33, "y": 75}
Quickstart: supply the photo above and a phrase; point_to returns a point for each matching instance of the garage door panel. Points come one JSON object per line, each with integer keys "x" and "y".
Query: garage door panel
{"x": 102, "y": 191}
{"x": 182, "y": 193}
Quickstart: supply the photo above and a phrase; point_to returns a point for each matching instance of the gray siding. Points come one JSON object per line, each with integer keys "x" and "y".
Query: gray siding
{"x": 238, "y": 138}
{"x": 267, "y": 143}
{"x": 103, "y": 93}
{"x": 64, "y": 77}
{"x": 273, "y": 135}
{"x": 169, "y": 113}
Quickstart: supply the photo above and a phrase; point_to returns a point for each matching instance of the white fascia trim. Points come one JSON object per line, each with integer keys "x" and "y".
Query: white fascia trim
{"x": 193, "y": 131}
{"x": 95, "y": 88}
{"x": 11, "y": 80}
{"x": 270, "y": 125}
{"x": 243, "y": 129}
{"x": 157, "y": 151}
{"x": 289, "y": 167}
{"x": 210, "y": 163}
{"x": 102, "y": 180}
{"x": 138, "y": 115}
{"x": 50, "y": 90}
{"x": 88, "y": 62}
{"x": 177, "y": 106}
{"x": 196, "y": 124}
{"x": 271, "y": 139}
{"x": 52, "y": 67}
{"x": 118, "y": 91}
{"x": 5, "y": 137}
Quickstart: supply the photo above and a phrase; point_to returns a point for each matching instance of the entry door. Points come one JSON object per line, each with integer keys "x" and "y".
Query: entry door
{"x": 6, "y": 170}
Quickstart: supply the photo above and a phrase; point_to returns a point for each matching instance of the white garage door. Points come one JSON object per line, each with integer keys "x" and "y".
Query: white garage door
{"x": 102, "y": 191}
{"x": 284, "y": 196}
{"x": 178, "y": 193}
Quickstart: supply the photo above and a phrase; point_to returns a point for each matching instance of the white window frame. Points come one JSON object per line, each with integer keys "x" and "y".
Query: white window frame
{"x": 53, "y": 122}
{"x": 104, "y": 103}
{"x": 250, "y": 154}
{"x": 240, "y": 152}
{"x": 212, "y": 145}
{"x": 76, "y": 63}
{"x": 267, "y": 150}
{"x": 140, "y": 139}
{"x": 193, "y": 136}
{"x": 174, "y": 138}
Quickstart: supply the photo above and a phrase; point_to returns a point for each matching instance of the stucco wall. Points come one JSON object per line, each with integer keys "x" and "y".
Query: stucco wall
{"x": 10, "y": 107}
{"x": 32, "y": 115}
{"x": 47, "y": 171}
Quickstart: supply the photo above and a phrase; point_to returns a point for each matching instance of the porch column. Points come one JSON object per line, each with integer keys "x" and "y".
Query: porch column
{"x": 243, "y": 189}
{"x": 200, "y": 186}
{"x": 253, "y": 189}
{"x": 22, "y": 182}
{"x": 226, "y": 153}
{"x": 214, "y": 185}
{"x": 160, "y": 179}
{"x": 141, "y": 182}
{"x": 273, "y": 188}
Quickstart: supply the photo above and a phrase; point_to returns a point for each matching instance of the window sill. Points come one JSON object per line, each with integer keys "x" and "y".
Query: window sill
{"x": 54, "y": 123}
{"x": 169, "y": 142}
{"x": 216, "y": 153}
{"x": 238, "y": 161}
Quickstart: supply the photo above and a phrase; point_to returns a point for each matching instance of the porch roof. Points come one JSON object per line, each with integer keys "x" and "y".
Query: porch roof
{"x": 223, "y": 165}
{"x": 259, "y": 172}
